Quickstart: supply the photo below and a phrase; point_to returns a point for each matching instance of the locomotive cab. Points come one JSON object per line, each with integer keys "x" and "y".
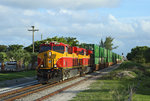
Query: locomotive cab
{"x": 49, "y": 53}
{"x": 47, "y": 61}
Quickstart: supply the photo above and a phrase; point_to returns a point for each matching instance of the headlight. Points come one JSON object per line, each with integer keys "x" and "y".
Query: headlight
{"x": 55, "y": 65}
{"x": 50, "y": 53}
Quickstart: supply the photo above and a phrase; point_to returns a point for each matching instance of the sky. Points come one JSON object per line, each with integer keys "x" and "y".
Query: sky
{"x": 127, "y": 21}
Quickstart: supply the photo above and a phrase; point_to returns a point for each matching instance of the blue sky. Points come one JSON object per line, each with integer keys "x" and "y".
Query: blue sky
{"x": 127, "y": 21}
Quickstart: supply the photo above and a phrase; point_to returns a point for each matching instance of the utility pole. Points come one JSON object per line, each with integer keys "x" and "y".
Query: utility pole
{"x": 33, "y": 30}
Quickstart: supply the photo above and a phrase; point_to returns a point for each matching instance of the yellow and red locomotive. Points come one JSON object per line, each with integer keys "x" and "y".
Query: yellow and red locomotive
{"x": 59, "y": 61}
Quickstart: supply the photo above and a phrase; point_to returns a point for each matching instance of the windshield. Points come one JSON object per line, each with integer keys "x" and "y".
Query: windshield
{"x": 45, "y": 48}
{"x": 59, "y": 49}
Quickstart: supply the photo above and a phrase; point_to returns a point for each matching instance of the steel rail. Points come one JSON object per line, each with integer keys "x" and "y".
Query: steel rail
{"x": 37, "y": 90}
{"x": 18, "y": 90}
{"x": 62, "y": 89}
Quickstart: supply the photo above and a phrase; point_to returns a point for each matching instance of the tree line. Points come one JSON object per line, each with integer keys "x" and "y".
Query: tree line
{"x": 24, "y": 56}
{"x": 139, "y": 54}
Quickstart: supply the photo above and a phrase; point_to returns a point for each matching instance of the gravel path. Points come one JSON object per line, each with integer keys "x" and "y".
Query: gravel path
{"x": 69, "y": 93}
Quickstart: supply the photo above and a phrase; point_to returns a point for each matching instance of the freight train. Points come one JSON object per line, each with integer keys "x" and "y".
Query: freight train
{"x": 59, "y": 61}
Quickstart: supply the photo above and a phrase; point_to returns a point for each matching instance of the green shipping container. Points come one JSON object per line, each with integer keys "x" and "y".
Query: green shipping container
{"x": 105, "y": 53}
{"x": 96, "y": 51}
{"x": 105, "y": 56}
{"x": 110, "y": 56}
{"x": 101, "y": 52}
{"x": 97, "y": 61}
{"x": 113, "y": 57}
{"x": 95, "y": 48}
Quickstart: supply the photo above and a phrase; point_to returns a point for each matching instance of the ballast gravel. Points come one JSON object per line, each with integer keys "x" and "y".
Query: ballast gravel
{"x": 37, "y": 95}
{"x": 70, "y": 92}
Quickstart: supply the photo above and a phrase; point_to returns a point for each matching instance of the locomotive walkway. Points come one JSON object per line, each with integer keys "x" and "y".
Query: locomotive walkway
{"x": 42, "y": 92}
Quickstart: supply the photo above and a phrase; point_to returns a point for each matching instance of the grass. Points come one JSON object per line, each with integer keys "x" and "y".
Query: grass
{"x": 104, "y": 90}
{"x": 15, "y": 75}
{"x": 112, "y": 87}
{"x": 143, "y": 91}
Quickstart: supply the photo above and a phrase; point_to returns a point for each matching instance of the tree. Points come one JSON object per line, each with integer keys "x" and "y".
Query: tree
{"x": 19, "y": 56}
{"x": 22, "y": 57}
{"x": 83, "y": 45}
{"x": 72, "y": 41}
{"x": 102, "y": 43}
{"x": 33, "y": 60}
{"x": 108, "y": 43}
{"x": 139, "y": 54}
{"x": 67, "y": 40}
{"x": 15, "y": 47}
{"x": 3, "y": 48}
{"x": 3, "y": 58}
{"x": 27, "y": 59}
{"x": 10, "y": 55}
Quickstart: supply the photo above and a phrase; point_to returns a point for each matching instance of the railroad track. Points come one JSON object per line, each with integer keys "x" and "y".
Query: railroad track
{"x": 13, "y": 93}
{"x": 74, "y": 84}
{"x": 7, "y": 89}
{"x": 16, "y": 94}
{"x": 62, "y": 89}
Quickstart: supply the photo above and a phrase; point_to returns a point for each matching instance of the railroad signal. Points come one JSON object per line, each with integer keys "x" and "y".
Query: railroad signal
{"x": 33, "y": 30}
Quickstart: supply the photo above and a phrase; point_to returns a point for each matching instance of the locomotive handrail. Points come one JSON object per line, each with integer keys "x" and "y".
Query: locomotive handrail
{"x": 39, "y": 64}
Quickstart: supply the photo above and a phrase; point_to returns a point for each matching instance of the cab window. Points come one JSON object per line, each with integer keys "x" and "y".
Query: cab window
{"x": 59, "y": 49}
{"x": 44, "y": 48}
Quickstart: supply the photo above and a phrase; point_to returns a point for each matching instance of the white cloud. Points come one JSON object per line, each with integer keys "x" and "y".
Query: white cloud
{"x": 112, "y": 18}
{"x": 86, "y": 26}
{"x": 64, "y": 11}
{"x": 57, "y": 4}
{"x": 51, "y": 12}
{"x": 29, "y": 13}
{"x": 145, "y": 26}
{"x": 120, "y": 26}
